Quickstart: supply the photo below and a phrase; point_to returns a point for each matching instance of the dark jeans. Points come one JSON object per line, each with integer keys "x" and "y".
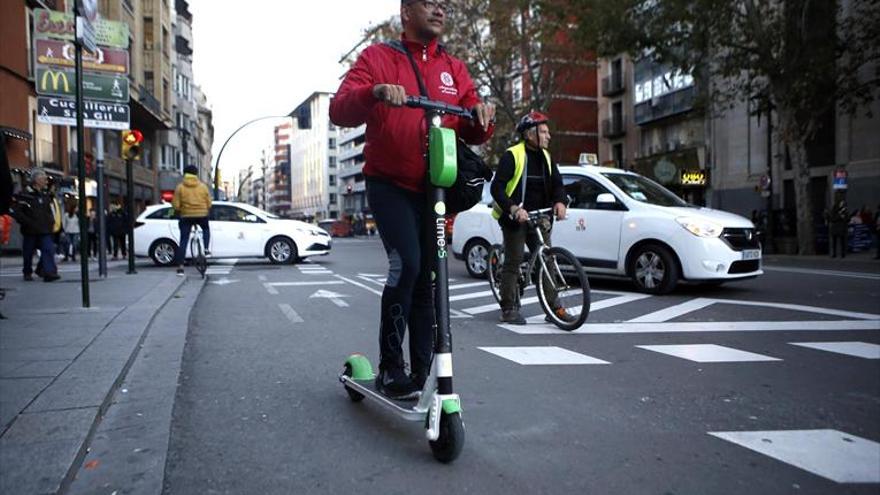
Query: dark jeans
{"x": 841, "y": 240}
{"x": 93, "y": 244}
{"x": 515, "y": 239}
{"x": 186, "y": 224}
{"x": 407, "y": 298}
{"x": 117, "y": 242}
{"x": 47, "y": 253}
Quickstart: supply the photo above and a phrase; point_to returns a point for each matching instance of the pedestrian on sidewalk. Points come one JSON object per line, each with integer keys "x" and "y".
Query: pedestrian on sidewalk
{"x": 32, "y": 208}
{"x": 70, "y": 225}
{"x": 116, "y": 230}
{"x": 93, "y": 234}
{"x": 192, "y": 201}
{"x": 838, "y": 222}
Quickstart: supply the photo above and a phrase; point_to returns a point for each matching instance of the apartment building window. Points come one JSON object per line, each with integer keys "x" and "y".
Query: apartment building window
{"x": 165, "y": 42}
{"x": 332, "y": 181}
{"x": 148, "y": 33}
{"x": 332, "y": 198}
{"x": 332, "y": 162}
{"x": 617, "y": 155}
{"x": 166, "y": 93}
{"x": 332, "y": 143}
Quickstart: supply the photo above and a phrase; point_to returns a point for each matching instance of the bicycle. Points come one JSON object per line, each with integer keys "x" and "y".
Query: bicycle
{"x": 197, "y": 250}
{"x": 566, "y": 304}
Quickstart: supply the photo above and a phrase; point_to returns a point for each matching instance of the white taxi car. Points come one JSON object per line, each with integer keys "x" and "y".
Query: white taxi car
{"x": 238, "y": 230}
{"x": 623, "y": 224}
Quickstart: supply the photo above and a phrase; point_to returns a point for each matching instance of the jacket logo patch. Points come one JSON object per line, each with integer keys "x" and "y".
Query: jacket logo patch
{"x": 447, "y": 87}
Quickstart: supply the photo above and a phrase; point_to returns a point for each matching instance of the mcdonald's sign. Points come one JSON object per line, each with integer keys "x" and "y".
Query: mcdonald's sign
{"x": 62, "y": 82}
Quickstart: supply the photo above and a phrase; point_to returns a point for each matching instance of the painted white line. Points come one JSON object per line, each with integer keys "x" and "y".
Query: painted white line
{"x": 487, "y": 308}
{"x": 616, "y": 301}
{"x": 700, "y": 327}
{"x": 358, "y": 284}
{"x": 338, "y": 302}
{"x": 374, "y": 275}
{"x": 224, "y": 261}
{"x": 856, "y": 349}
{"x": 470, "y": 295}
{"x": 271, "y": 290}
{"x": 800, "y": 307}
{"x": 831, "y": 273}
{"x": 262, "y": 278}
{"x": 831, "y": 454}
{"x": 454, "y": 313}
{"x": 465, "y": 286}
{"x": 372, "y": 281}
{"x": 542, "y": 355}
{"x": 671, "y": 312}
{"x": 289, "y": 312}
{"x": 707, "y": 353}
{"x": 298, "y": 284}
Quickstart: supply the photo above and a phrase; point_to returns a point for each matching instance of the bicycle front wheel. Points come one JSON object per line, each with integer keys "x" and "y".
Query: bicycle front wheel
{"x": 496, "y": 260}
{"x": 563, "y": 289}
{"x": 198, "y": 256}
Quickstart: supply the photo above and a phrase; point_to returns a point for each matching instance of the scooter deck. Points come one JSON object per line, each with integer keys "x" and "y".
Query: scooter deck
{"x": 408, "y": 409}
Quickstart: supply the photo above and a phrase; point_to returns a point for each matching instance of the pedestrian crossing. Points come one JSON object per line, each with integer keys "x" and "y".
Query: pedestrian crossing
{"x": 221, "y": 266}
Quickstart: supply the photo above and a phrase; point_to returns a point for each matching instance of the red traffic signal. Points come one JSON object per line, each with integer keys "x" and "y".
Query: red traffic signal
{"x": 131, "y": 144}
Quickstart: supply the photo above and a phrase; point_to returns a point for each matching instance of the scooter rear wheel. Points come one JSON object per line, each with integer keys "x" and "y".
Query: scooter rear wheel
{"x": 354, "y": 396}
{"x": 448, "y": 445}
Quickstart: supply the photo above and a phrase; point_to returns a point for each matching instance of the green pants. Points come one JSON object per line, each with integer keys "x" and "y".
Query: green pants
{"x": 515, "y": 240}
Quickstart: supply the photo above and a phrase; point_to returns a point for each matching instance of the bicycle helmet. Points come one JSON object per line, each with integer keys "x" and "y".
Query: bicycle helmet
{"x": 531, "y": 119}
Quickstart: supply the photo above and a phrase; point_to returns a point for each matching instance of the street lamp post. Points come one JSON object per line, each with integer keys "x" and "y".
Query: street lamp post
{"x": 220, "y": 154}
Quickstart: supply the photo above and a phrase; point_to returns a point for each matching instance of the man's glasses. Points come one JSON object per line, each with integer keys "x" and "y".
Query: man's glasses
{"x": 441, "y": 6}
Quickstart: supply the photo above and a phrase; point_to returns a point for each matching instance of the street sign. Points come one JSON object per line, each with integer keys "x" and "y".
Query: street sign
{"x": 96, "y": 115}
{"x": 61, "y": 54}
{"x": 88, "y": 9}
{"x": 58, "y": 25}
{"x": 62, "y": 82}
{"x": 86, "y": 34}
{"x": 840, "y": 176}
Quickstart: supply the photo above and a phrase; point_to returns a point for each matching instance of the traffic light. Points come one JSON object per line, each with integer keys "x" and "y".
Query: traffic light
{"x": 131, "y": 144}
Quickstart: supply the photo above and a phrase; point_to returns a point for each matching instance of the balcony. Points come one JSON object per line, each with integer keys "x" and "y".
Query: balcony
{"x": 613, "y": 85}
{"x": 348, "y": 153}
{"x": 613, "y": 127}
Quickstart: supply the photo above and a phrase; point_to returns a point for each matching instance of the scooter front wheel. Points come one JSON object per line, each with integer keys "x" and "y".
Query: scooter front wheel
{"x": 448, "y": 445}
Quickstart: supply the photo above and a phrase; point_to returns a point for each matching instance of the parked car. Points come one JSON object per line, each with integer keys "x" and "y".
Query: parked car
{"x": 238, "y": 230}
{"x": 336, "y": 228}
{"x": 623, "y": 224}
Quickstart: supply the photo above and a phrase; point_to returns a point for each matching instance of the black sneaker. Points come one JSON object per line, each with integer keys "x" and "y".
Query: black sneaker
{"x": 180, "y": 272}
{"x": 419, "y": 378}
{"x": 396, "y": 384}
{"x": 512, "y": 316}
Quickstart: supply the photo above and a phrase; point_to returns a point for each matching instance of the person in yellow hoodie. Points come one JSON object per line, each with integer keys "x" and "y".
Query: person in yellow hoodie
{"x": 192, "y": 201}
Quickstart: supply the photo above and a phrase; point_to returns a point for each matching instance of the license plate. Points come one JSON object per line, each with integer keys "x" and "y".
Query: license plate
{"x": 752, "y": 254}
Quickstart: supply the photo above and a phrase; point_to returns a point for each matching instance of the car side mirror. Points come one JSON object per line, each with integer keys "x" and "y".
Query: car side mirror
{"x": 606, "y": 199}
{"x": 251, "y": 218}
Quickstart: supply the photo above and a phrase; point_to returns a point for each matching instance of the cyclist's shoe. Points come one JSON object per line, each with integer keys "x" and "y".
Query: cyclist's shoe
{"x": 396, "y": 384}
{"x": 51, "y": 277}
{"x": 560, "y": 313}
{"x": 207, "y": 253}
{"x": 512, "y": 316}
{"x": 180, "y": 272}
{"x": 28, "y": 278}
{"x": 419, "y": 378}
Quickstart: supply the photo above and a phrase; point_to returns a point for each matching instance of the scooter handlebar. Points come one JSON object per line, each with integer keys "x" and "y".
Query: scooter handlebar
{"x": 438, "y": 106}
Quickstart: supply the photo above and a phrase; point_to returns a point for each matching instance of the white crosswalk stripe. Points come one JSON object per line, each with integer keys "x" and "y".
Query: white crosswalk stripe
{"x": 707, "y": 353}
{"x": 541, "y": 355}
{"x": 857, "y": 349}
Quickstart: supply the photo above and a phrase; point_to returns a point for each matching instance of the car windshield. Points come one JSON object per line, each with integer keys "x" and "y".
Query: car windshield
{"x": 263, "y": 212}
{"x": 645, "y": 190}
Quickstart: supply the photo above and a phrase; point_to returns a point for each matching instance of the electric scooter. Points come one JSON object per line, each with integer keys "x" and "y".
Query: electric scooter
{"x": 438, "y": 407}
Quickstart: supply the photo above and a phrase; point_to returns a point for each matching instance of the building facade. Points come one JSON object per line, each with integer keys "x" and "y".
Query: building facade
{"x": 314, "y": 166}
{"x": 350, "y": 156}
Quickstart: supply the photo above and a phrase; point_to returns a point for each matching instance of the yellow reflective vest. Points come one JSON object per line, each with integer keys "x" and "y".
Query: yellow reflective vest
{"x": 518, "y": 151}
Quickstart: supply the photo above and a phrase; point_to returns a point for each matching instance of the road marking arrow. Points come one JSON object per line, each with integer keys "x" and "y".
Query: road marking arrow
{"x": 333, "y": 296}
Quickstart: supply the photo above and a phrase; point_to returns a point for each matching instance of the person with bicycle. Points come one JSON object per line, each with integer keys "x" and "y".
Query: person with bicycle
{"x": 192, "y": 201}
{"x": 526, "y": 180}
{"x": 373, "y": 92}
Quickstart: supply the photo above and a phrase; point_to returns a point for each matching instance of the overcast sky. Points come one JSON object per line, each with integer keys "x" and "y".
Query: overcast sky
{"x": 264, "y": 57}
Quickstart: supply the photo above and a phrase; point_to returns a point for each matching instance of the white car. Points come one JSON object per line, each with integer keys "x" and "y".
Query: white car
{"x": 238, "y": 230}
{"x": 623, "y": 224}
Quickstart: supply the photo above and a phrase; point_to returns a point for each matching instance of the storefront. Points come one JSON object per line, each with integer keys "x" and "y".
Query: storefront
{"x": 682, "y": 172}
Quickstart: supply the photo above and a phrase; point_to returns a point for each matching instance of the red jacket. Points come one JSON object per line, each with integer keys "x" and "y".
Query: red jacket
{"x": 395, "y": 137}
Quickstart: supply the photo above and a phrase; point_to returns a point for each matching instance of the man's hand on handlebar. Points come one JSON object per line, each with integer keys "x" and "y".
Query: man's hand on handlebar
{"x": 560, "y": 211}
{"x": 518, "y": 214}
{"x": 390, "y": 94}
{"x": 485, "y": 113}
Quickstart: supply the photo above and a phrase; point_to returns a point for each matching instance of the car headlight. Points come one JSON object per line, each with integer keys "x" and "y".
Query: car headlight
{"x": 700, "y": 227}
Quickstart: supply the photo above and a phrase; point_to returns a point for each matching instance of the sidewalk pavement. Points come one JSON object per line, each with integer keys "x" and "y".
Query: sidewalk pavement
{"x": 61, "y": 364}
{"x": 863, "y": 262}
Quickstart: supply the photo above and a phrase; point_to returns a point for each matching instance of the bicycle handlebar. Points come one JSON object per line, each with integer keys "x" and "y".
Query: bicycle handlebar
{"x": 438, "y": 106}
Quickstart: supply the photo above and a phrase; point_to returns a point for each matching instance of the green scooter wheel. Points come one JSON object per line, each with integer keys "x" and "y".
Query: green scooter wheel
{"x": 448, "y": 445}
{"x": 354, "y": 396}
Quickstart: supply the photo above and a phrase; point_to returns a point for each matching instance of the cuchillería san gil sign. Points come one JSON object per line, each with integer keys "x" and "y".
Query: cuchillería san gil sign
{"x": 59, "y": 53}
{"x": 61, "y": 26}
{"x": 62, "y": 82}
{"x": 96, "y": 114}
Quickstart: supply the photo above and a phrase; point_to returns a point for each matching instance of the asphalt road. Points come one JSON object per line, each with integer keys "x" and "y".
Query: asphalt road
{"x": 708, "y": 390}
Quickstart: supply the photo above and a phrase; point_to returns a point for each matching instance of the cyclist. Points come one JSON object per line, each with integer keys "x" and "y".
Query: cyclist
{"x": 526, "y": 180}
{"x": 372, "y": 92}
{"x": 192, "y": 201}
